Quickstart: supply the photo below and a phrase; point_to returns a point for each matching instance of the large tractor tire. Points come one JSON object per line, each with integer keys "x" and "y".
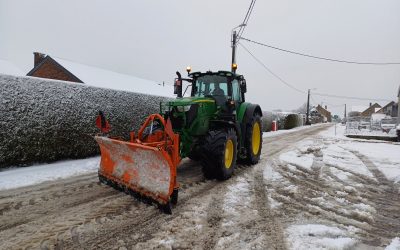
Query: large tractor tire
{"x": 219, "y": 152}
{"x": 253, "y": 140}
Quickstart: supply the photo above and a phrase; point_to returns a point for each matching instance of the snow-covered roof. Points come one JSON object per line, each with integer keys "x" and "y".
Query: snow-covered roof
{"x": 112, "y": 80}
{"x": 8, "y": 68}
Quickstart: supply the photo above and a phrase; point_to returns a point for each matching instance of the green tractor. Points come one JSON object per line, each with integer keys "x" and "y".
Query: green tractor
{"x": 216, "y": 126}
{"x": 212, "y": 124}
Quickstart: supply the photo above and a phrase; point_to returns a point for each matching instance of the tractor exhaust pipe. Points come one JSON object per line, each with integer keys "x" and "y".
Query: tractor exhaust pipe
{"x": 178, "y": 85}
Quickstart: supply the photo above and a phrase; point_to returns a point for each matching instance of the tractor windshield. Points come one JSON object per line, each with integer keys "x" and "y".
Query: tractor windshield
{"x": 213, "y": 85}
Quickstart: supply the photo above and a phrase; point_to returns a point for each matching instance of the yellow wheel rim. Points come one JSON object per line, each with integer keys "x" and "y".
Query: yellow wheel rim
{"x": 256, "y": 138}
{"x": 229, "y": 150}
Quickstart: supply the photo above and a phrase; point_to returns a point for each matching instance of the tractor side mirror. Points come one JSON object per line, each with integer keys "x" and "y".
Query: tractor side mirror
{"x": 243, "y": 87}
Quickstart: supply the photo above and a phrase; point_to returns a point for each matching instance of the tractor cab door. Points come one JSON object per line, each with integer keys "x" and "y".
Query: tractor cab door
{"x": 236, "y": 94}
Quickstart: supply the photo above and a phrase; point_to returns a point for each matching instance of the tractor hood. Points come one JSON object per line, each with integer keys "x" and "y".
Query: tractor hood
{"x": 189, "y": 101}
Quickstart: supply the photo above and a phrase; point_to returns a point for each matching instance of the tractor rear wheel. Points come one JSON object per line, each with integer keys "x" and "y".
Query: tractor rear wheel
{"x": 253, "y": 140}
{"x": 219, "y": 152}
{"x": 194, "y": 156}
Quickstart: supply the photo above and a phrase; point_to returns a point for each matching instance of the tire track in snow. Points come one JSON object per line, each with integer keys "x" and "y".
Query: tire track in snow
{"x": 214, "y": 219}
{"x": 271, "y": 227}
{"x": 387, "y": 204}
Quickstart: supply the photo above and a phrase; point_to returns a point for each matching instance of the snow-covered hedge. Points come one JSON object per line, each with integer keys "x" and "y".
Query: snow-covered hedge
{"x": 46, "y": 120}
{"x": 293, "y": 121}
{"x": 266, "y": 121}
{"x": 285, "y": 120}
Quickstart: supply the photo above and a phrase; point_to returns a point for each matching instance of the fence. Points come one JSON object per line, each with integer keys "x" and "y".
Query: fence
{"x": 368, "y": 126}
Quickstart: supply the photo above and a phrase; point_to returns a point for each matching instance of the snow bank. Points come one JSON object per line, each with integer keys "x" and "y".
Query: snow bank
{"x": 385, "y": 156}
{"x": 21, "y": 177}
{"x": 280, "y": 132}
{"x": 336, "y": 131}
{"x": 47, "y": 120}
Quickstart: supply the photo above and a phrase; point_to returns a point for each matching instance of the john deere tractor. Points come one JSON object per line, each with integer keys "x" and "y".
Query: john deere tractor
{"x": 216, "y": 126}
{"x": 210, "y": 122}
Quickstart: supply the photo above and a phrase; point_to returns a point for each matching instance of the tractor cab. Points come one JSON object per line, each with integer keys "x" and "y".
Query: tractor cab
{"x": 225, "y": 88}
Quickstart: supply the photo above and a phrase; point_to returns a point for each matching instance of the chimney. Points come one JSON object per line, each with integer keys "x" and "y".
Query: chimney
{"x": 326, "y": 107}
{"x": 370, "y": 104}
{"x": 37, "y": 58}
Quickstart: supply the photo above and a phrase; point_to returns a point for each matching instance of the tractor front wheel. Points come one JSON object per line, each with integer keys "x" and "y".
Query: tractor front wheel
{"x": 219, "y": 152}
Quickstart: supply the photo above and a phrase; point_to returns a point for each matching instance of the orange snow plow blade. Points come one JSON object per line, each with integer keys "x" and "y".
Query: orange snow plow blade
{"x": 146, "y": 164}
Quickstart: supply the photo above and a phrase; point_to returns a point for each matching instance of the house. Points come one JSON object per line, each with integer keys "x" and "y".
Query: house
{"x": 320, "y": 114}
{"x": 373, "y": 108}
{"x": 61, "y": 69}
{"x": 389, "y": 109}
{"x": 325, "y": 113}
{"x": 46, "y": 67}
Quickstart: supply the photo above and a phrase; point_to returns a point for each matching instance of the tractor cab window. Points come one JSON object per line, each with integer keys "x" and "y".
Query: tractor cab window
{"x": 211, "y": 85}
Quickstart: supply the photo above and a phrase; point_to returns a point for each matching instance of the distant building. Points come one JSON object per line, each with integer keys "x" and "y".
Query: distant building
{"x": 373, "y": 108}
{"x": 65, "y": 70}
{"x": 320, "y": 114}
{"x": 325, "y": 113}
{"x": 46, "y": 67}
{"x": 389, "y": 109}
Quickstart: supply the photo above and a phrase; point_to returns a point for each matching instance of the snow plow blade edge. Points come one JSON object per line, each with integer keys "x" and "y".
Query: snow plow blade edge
{"x": 147, "y": 170}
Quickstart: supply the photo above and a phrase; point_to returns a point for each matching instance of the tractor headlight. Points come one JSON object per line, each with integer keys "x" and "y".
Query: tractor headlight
{"x": 183, "y": 108}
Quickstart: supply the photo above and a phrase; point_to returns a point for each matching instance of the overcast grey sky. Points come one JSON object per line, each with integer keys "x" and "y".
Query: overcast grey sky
{"x": 152, "y": 39}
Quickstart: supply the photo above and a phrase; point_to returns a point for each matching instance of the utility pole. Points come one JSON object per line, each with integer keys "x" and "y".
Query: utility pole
{"x": 234, "y": 37}
{"x": 345, "y": 112}
{"x": 308, "y": 109}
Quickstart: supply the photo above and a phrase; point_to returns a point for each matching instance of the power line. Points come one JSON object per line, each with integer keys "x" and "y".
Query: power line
{"x": 246, "y": 19}
{"x": 320, "y": 58}
{"x": 270, "y": 71}
{"x": 327, "y": 103}
{"x": 352, "y": 97}
{"x": 303, "y": 92}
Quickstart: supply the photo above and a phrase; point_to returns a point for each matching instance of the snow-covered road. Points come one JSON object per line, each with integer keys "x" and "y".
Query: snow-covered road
{"x": 337, "y": 193}
{"x": 311, "y": 190}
